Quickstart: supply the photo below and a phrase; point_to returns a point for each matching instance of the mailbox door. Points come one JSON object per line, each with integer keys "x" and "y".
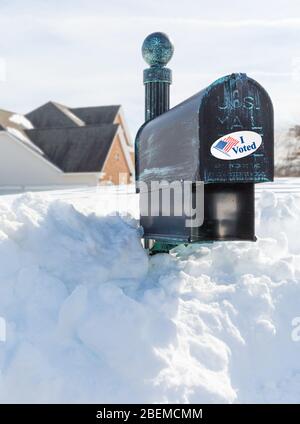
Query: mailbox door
{"x": 228, "y": 212}
{"x": 233, "y": 106}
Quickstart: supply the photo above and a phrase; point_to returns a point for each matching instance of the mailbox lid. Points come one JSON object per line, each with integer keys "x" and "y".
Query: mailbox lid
{"x": 177, "y": 144}
{"x": 236, "y": 114}
{"x": 167, "y": 147}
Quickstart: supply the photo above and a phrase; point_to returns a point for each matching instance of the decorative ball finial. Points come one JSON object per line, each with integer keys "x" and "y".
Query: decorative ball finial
{"x": 157, "y": 49}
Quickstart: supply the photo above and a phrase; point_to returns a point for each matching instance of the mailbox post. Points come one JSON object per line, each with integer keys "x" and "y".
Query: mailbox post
{"x": 157, "y": 51}
{"x": 221, "y": 138}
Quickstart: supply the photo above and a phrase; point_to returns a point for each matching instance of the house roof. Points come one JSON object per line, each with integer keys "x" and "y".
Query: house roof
{"x": 56, "y": 115}
{"x": 53, "y": 115}
{"x": 16, "y": 125}
{"x": 67, "y": 111}
{"x": 75, "y": 149}
{"x": 13, "y": 120}
{"x": 97, "y": 114}
{"x": 73, "y": 139}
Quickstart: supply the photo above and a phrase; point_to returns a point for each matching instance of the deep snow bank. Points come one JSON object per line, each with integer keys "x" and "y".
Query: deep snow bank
{"x": 91, "y": 318}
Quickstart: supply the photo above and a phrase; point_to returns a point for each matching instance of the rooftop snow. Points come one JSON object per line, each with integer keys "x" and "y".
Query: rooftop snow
{"x": 21, "y": 120}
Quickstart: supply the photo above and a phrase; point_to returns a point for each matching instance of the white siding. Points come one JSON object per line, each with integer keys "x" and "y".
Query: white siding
{"x": 21, "y": 168}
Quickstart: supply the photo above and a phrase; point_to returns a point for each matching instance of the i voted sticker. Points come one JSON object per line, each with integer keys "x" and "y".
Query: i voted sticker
{"x": 236, "y": 145}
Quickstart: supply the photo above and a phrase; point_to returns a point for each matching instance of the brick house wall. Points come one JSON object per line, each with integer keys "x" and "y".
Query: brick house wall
{"x": 115, "y": 164}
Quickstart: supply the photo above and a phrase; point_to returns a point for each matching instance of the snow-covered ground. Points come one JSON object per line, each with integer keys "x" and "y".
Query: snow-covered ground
{"x": 91, "y": 318}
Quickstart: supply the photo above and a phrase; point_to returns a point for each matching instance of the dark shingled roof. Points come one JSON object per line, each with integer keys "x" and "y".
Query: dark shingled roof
{"x": 53, "y": 115}
{"x": 77, "y": 149}
{"x": 97, "y": 114}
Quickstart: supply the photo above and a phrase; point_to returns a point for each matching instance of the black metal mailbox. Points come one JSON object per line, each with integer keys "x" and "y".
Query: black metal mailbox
{"x": 223, "y": 137}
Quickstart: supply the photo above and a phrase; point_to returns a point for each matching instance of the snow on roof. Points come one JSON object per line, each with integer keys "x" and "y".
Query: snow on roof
{"x": 21, "y": 120}
{"x": 70, "y": 114}
{"x": 22, "y": 137}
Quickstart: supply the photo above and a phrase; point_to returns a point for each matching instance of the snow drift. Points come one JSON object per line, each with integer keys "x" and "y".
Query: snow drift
{"x": 90, "y": 318}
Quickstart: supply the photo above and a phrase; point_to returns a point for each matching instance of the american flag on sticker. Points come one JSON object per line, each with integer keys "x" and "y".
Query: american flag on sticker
{"x": 226, "y": 144}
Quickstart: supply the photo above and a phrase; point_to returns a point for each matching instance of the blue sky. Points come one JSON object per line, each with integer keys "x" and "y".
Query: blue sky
{"x": 88, "y": 52}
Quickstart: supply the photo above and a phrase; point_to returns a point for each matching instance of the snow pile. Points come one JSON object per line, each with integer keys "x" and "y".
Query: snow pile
{"x": 91, "y": 318}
